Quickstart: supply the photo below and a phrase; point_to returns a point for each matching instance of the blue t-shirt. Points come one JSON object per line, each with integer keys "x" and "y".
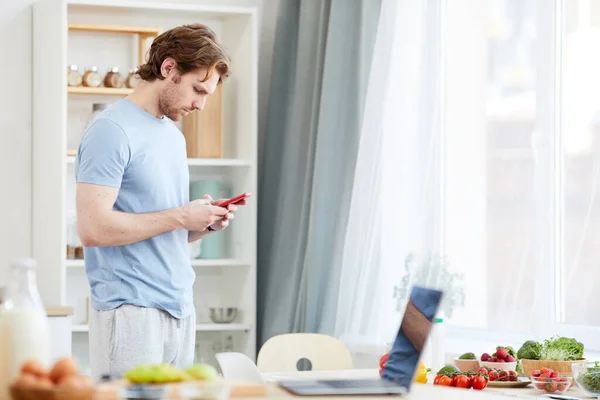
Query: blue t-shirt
{"x": 145, "y": 157}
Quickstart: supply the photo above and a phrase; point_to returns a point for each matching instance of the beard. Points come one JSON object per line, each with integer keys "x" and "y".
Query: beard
{"x": 168, "y": 101}
{"x": 167, "y": 105}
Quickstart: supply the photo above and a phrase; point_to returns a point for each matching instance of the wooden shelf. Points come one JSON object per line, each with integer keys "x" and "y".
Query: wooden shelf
{"x": 99, "y": 90}
{"x": 110, "y": 28}
{"x": 199, "y": 328}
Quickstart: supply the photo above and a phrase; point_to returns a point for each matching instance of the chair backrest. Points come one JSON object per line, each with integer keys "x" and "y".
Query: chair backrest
{"x": 303, "y": 351}
{"x": 238, "y": 367}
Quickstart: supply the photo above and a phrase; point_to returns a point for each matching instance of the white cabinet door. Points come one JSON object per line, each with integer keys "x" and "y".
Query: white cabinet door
{"x": 60, "y": 337}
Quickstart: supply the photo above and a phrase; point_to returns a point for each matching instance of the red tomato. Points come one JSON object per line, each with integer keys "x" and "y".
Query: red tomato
{"x": 462, "y": 381}
{"x": 479, "y": 382}
{"x": 503, "y": 376}
{"x": 445, "y": 381}
{"x": 493, "y": 375}
{"x": 436, "y": 380}
{"x": 512, "y": 376}
{"x": 454, "y": 378}
{"x": 383, "y": 360}
{"x": 483, "y": 370}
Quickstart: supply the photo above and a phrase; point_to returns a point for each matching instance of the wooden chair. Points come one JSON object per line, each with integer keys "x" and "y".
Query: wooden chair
{"x": 303, "y": 352}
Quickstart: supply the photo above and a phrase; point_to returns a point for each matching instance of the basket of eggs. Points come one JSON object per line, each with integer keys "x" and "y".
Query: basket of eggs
{"x": 62, "y": 381}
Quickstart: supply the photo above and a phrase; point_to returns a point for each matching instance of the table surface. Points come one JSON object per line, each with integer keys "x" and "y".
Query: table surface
{"x": 418, "y": 391}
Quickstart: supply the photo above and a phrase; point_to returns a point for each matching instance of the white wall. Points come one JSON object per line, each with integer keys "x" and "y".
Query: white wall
{"x": 15, "y": 132}
{"x": 15, "y": 115}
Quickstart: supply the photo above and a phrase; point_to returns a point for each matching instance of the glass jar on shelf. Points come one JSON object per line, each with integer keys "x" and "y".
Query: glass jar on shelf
{"x": 74, "y": 78}
{"x": 132, "y": 79}
{"x": 91, "y": 77}
{"x": 74, "y": 246}
{"x": 112, "y": 79}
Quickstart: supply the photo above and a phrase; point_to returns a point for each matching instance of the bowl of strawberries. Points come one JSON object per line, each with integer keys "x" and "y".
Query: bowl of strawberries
{"x": 500, "y": 360}
{"x": 547, "y": 380}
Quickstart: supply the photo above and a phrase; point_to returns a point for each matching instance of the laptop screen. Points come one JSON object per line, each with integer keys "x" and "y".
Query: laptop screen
{"x": 412, "y": 335}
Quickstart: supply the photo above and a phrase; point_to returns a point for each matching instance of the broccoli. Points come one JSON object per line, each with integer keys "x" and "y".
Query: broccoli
{"x": 531, "y": 350}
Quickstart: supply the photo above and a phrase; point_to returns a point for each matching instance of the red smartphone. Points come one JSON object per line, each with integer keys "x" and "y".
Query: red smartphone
{"x": 234, "y": 200}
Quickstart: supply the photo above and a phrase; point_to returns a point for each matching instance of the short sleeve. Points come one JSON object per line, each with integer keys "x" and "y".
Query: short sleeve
{"x": 103, "y": 154}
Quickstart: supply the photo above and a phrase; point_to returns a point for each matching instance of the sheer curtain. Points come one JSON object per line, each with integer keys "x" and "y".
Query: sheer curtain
{"x": 394, "y": 209}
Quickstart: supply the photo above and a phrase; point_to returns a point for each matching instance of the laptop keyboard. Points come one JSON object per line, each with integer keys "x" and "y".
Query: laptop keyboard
{"x": 360, "y": 383}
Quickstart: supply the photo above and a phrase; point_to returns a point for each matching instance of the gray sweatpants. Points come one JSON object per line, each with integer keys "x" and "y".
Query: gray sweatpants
{"x": 128, "y": 336}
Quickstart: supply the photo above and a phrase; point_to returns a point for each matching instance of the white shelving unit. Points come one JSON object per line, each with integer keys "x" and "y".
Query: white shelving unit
{"x": 62, "y": 36}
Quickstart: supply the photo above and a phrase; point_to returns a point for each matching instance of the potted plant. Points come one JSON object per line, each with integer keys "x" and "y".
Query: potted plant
{"x": 431, "y": 271}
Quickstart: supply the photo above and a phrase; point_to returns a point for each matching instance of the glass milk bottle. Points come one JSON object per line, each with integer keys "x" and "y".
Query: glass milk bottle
{"x": 23, "y": 324}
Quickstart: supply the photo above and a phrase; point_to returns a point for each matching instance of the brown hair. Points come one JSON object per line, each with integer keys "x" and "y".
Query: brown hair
{"x": 192, "y": 46}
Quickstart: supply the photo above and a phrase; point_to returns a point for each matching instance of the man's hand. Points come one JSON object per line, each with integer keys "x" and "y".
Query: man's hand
{"x": 231, "y": 209}
{"x": 219, "y": 225}
{"x": 200, "y": 214}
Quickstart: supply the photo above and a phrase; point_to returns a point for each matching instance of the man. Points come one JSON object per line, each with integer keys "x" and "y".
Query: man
{"x": 133, "y": 210}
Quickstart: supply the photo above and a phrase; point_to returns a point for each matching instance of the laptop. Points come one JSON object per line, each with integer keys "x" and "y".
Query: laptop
{"x": 399, "y": 371}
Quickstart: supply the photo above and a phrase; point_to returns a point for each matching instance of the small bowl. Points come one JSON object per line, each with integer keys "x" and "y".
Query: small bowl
{"x": 582, "y": 371}
{"x": 552, "y": 385}
{"x": 223, "y": 315}
{"x": 466, "y": 365}
{"x": 503, "y": 366}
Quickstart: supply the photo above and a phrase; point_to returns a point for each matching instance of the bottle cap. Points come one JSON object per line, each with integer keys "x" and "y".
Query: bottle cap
{"x": 438, "y": 320}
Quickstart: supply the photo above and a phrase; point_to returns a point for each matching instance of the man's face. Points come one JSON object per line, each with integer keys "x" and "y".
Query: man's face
{"x": 185, "y": 93}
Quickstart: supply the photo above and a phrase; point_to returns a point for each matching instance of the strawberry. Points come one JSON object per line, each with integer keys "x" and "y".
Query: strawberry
{"x": 501, "y": 354}
{"x": 536, "y": 373}
{"x": 547, "y": 371}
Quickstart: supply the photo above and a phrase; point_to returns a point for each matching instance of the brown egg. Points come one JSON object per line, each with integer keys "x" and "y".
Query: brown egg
{"x": 34, "y": 367}
{"x": 43, "y": 383}
{"x": 25, "y": 380}
{"x": 73, "y": 382}
{"x": 62, "y": 368}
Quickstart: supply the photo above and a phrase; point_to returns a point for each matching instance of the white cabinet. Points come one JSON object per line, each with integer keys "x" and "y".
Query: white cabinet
{"x": 60, "y": 115}
{"x": 60, "y": 337}
{"x": 60, "y": 325}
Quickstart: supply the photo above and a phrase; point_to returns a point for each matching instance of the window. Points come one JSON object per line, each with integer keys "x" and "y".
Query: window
{"x": 500, "y": 165}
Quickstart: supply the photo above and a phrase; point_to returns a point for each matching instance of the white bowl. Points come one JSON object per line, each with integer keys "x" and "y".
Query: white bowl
{"x": 505, "y": 366}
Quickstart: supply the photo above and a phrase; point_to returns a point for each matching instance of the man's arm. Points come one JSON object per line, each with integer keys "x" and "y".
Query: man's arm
{"x": 415, "y": 326}
{"x": 99, "y": 225}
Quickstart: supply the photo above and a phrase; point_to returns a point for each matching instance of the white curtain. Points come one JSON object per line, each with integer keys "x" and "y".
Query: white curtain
{"x": 394, "y": 207}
